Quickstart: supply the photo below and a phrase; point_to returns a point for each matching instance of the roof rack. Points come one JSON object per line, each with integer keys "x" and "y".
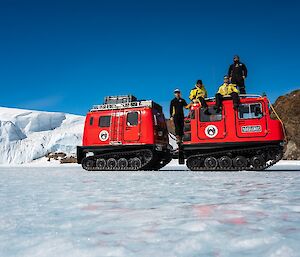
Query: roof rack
{"x": 118, "y": 106}
{"x": 241, "y": 95}
{"x": 119, "y": 99}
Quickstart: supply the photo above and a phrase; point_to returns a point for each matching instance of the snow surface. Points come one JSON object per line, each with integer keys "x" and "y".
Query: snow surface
{"x": 27, "y": 135}
{"x": 68, "y": 212}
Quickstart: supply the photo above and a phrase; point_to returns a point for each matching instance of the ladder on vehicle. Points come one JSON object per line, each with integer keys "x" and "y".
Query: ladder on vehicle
{"x": 116, "y": 128}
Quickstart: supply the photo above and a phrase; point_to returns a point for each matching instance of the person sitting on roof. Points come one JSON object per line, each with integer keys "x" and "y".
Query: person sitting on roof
{"x": 227, "y": 89}
{"x": 198, "y": 94}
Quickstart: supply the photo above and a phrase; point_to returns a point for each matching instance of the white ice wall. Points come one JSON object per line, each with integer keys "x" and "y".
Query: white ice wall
{"x": 28, "y": 135}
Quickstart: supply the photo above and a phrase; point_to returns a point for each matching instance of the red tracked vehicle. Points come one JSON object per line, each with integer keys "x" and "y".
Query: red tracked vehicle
{"x": 243, "y": 139}
{"x": 125, "y": 134}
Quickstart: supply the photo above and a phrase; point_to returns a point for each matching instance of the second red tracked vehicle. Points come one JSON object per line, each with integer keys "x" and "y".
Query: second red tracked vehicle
{"x": 243, "y": 139}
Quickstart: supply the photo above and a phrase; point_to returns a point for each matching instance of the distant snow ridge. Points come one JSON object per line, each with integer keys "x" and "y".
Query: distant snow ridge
{"x": 29, "y": 135}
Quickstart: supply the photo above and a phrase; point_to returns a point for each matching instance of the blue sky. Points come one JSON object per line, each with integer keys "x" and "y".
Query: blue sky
{"x": 67, "y": 55}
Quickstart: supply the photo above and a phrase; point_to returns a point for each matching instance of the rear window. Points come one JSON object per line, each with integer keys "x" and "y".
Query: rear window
{"x": 104, "y": 121}
{"x": 132, "y": 118}
{"x": 250, "y": 111}
{"x": 212, "y": 117}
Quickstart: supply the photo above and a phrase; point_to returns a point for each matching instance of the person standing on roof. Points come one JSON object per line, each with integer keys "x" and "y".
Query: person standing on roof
{"x": 227, "y": 89}
{"x": 198, "y": 94}
{"x": 237, "y": 74}
{"x": 177, "y": 114}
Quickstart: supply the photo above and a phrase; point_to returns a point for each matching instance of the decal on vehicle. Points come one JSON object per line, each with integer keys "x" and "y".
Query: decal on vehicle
{"x": 251, "y": 129}
{"x": 104, "y": 135}
{"x": 211, "y": 131}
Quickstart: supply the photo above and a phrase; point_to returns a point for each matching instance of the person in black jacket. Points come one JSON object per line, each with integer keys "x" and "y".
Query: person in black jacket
{"x": 238, "y": 73}
{"x": 177, "y": 114}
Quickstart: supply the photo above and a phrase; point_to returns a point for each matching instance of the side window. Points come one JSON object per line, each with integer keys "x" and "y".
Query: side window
{"x": 214, "y": 116}
{"x": 132, "y": 118}
{"x": 250, "y": 111}
{"x": 104, "y": 121}
{"x": 91, "y": 121}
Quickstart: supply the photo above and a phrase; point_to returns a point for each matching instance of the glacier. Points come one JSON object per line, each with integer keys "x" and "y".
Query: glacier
{"x": 27, "y": 135}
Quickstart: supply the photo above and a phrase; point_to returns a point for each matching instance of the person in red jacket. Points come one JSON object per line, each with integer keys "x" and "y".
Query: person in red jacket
{"x": 237, "y": 74}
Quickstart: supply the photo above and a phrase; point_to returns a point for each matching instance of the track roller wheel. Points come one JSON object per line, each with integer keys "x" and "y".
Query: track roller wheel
{"x": 240, "y": 162}
{"x": 193, "y": 163}
{"x": 135, "y": 163}
{"x": 122, "y": 163}
{"x": 111, "y": 163}
{"x": 88, "y": 164}
{"x": 258, "y": 162}
{"x": 225, "y": 162}
{"x": 211, "y": 163}
{"x": 100, "y": 163}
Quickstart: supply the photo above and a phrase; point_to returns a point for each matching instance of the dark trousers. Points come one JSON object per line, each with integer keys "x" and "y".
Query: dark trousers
{"x": 202, "y": 101}
{"x": 240, "y": 83}
{"x": 235, "y": 99}
{"x": 179, "y": 125}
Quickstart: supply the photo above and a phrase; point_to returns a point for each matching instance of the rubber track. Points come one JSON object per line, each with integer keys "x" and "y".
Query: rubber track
{"x": 241, "y": 152}
{"x": 118, "y": 155}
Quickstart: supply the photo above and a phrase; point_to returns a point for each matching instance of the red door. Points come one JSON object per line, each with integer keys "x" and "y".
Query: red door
{"x": 251, "y": 120}
{"x": 211, "y": 126}
{"x": 132, "y": 126}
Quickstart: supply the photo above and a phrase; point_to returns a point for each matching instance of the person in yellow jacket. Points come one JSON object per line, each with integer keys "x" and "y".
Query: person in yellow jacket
{"x": 198, "y": 94}
{"x": 227, "y": 89}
